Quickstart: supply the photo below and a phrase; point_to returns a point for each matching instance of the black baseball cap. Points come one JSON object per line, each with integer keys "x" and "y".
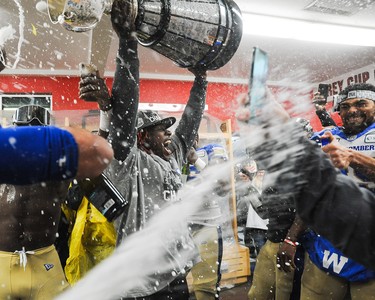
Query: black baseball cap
{"x": 147, "y": 118}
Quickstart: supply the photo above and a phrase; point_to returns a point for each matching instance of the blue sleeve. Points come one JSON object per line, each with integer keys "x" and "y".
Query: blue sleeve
{"x": 317, "y": 135}
{"x": 34, "y": 154}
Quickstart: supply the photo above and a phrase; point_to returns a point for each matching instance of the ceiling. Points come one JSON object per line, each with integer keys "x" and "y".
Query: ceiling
{"x": 48, "y": 49}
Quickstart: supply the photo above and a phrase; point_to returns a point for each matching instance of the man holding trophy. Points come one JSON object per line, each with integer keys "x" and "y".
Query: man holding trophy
{"x": 148, "y": 158}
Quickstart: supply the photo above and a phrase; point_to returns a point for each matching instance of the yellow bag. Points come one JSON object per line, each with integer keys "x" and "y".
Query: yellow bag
{"x": 92, "y": 239}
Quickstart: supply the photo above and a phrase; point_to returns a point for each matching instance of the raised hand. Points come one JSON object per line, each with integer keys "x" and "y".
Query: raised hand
{"x": 123, "y": 18}
{"x": 192, "y": 156}
{"x": 93, "y": 88}
{"x": 340, "y": 156}
{"x": 319, "y": 101}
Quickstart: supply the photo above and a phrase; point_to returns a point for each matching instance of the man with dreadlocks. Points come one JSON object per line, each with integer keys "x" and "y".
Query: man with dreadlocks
{"x": 148, "y": 158}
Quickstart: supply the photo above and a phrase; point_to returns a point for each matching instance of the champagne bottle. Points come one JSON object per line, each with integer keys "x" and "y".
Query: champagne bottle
{"x": 185, "y": 171}
{"x": 101, "y": 192}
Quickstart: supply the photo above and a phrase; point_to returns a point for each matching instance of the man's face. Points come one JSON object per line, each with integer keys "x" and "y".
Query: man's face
{"x": 357, "y": 114}
{"x": 160, "y": 140}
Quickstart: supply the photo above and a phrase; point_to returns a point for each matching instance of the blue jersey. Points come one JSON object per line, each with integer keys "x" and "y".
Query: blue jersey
{"x": 321, "y": 252}
{"x": 34, "y": 154}
{"x": 207, "y": 154}
{"x": 363, "y": 142}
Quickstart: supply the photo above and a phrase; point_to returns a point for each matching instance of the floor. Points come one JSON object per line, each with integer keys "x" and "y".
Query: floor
{"x": 239, "y": 292}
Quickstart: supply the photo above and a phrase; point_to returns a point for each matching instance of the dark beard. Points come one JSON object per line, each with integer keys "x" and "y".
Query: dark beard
{"x": 354, "y": 130}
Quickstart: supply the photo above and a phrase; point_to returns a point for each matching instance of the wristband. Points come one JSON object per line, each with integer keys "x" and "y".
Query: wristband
{"x": 104, "y": 120}
{"x": 103, "y": 134}
{"x": 294, "y": 244}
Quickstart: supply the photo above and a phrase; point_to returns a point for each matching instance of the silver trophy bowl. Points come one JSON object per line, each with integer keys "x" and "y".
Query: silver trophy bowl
{"x": 194, "y": 34}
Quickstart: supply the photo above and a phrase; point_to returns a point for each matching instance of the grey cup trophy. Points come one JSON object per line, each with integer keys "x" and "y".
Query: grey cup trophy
{"x": 200, "y": 34}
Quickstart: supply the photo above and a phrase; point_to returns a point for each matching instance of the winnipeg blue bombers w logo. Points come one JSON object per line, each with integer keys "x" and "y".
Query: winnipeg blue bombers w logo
{"x": 338, "y": 261}
{"x": 329, "y": 259}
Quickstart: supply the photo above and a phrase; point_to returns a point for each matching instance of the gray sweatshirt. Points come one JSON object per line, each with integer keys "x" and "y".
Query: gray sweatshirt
{"x": 148, "y": 182}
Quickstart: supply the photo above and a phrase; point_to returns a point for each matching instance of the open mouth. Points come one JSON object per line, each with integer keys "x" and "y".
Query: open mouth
{"x": 355, "y": 119}
{"x": 166, "y": 147}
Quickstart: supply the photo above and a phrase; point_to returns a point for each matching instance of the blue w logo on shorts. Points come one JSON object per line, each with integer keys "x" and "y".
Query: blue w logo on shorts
{"x": 329, "y": 259}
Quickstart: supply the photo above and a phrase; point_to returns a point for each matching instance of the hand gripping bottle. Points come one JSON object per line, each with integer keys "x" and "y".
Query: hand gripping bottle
{"x": 101, "y": 192}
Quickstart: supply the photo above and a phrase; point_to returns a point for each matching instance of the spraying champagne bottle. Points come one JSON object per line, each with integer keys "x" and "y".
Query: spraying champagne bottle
{"x": 101, "y": 192}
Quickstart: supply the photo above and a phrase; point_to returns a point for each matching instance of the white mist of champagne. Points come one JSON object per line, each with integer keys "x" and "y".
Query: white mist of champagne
{"x": 6, "y": 33}
{"x": 21, "y": 27}
{"x": 146, "y": 252}
{"x": 150, "y": 250}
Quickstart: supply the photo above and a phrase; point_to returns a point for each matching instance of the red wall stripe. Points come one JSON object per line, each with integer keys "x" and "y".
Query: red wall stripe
{"x": 221, "y": 97}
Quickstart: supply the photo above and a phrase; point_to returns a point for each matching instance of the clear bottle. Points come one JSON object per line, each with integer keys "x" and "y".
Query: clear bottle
{"x": 101, "y": 192}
